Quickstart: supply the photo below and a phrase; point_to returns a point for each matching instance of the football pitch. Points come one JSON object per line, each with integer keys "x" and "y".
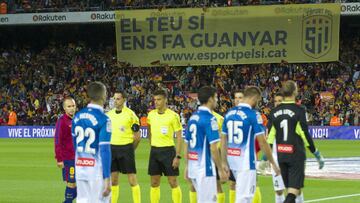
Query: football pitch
{"x": 28, "y": 174}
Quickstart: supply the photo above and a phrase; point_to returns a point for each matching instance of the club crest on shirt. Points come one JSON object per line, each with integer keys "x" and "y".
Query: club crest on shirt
{"x": 214, "y": 125}
{"x": 108, "y": 126}
{"x": 258, "y": 118}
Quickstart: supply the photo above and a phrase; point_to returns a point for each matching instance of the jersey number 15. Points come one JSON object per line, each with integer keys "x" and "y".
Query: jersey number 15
{"x": 235, "y": 133}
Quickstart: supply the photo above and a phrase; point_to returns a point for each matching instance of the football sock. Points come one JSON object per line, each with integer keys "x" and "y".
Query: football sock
{"x": 136, "y": 194}
{"x": 176, "y": 195}
{"x": 257, "y": 196}
{"x": 279, "y": 198}
{"x": 154, "y": 194}
{"x": 221, "y": 197}
{"x": 193, "y": 197}
{"x": 114, "y": 194}
{"x": 232, "y": 196}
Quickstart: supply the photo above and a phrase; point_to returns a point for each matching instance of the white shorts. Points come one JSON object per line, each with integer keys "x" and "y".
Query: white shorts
{"x": 278, "y": 181}
{"x": 205, "y": 188}
{"x": 245, "y": 190}
{"x": 91, "y": 192}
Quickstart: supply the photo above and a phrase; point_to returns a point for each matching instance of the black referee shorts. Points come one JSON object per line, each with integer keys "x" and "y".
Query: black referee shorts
{"x": 160, "y": 162}
{"x": 123, "y": 158}
{"x": 293, "y": 174}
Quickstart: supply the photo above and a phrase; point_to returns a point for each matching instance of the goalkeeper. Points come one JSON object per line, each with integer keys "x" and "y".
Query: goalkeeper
{"x": 289, "y": 133}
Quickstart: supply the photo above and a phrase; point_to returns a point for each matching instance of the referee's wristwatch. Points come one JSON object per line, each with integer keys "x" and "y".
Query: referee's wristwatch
{"x": 178, "y": 156}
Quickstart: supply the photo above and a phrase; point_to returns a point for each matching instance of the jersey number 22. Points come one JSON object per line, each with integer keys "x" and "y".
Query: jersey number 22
{"x": 80, "y": 134}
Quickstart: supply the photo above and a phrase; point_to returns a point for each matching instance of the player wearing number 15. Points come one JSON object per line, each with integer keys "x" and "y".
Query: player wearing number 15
{"x": 242, "y": 125}
{"x": 91, "y": 131}
{"x": 288, "y": 128}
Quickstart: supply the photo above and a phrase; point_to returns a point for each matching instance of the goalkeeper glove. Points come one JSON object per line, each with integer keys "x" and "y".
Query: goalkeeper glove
{"x": 319, "y": 159}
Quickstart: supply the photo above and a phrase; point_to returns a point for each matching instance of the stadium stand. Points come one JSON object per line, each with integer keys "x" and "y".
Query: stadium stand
{"x": 46, "y": 65}
{"x": 34, "y": 81}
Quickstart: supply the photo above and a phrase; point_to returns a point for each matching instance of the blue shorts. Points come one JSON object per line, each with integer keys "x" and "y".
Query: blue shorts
{"x": 68, "y": 172}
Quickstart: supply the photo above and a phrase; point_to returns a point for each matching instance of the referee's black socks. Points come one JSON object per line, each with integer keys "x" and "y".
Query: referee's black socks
{"x": 290, "y": 198}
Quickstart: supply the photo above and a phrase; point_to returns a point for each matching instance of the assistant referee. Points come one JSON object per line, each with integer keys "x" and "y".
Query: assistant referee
{"x": 124, "y": 140}
{"x": 164, "y": 159}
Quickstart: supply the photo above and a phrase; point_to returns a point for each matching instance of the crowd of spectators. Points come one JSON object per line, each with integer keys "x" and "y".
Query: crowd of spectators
{"x": 34, "y": 82}
{"x": 35, "y": 6}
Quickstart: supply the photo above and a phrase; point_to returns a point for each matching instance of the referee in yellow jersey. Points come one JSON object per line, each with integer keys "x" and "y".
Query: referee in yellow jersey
{"x": 164, "y": 159}
{"x": 124, "y": 140}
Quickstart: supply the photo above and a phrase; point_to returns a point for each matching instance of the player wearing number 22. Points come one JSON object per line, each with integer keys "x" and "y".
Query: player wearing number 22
{"x": 91, "y": 131}
{"x": 242, "y": 125}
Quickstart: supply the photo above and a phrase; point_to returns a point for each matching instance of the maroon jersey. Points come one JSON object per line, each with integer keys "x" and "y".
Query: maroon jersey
{"x": 64, "y": 146}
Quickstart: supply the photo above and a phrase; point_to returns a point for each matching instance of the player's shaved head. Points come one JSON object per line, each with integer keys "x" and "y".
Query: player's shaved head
{"x": 289, "y": 89}
{"x": 69, "y": 106}
{"x": 252, "y": 95}
{"x": 96, "y": 91}
{"x": 252, "y": 91}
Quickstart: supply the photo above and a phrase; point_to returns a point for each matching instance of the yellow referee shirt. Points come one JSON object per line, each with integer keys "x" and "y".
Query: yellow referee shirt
{"x": 220, "y": 121}
{"x": 121, "y": 126}
{"x": 163, "y": 126}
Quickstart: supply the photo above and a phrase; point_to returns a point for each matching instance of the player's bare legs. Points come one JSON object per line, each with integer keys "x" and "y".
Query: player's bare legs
{"x": 155, "y": 181}
{"x": 172, "y": 181}
{"x": 132, "y": 179}
{"x": 115, "y": 178}
{"x": 176, "y": 191}
{"x": 132, "y": 182}
{"x": 232, "y": 185}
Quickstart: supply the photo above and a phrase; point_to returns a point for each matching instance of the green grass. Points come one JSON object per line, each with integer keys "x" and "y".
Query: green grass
{"x": 338, "y": 148}
{"x": 28, "y": 173}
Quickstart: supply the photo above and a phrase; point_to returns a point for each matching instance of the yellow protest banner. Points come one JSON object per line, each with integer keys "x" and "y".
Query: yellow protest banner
{"x": 231, "y": 35}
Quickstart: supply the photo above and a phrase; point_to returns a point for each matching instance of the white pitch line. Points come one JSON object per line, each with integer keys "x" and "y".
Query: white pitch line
{"x": 330, "y": 198}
